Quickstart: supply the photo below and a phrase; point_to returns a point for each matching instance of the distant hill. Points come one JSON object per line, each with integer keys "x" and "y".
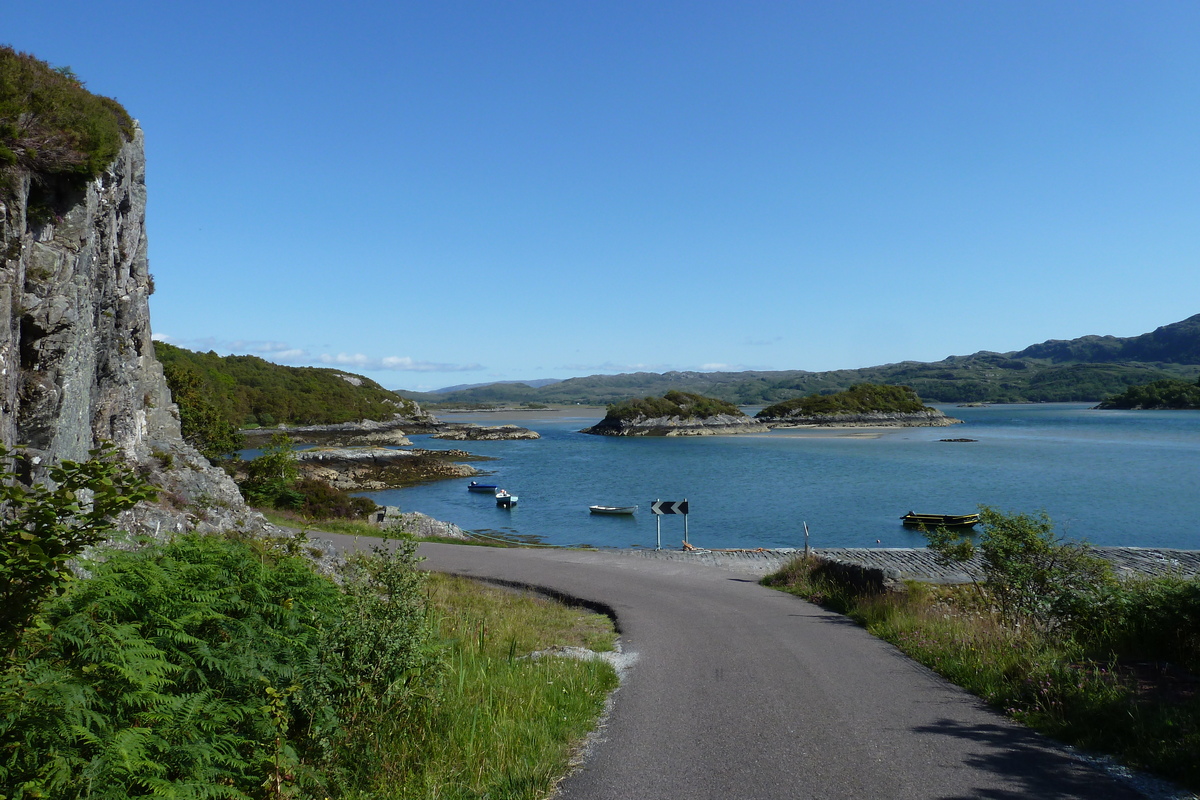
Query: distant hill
{"x": 1085, "y": 369}
{"x": 464, "y": 386}
{"x": 248, "y": 390}
{"x": 1178, "y": 343}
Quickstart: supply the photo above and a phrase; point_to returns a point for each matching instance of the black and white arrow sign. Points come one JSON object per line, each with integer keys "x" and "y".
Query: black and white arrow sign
{"x": 669, "y": 507}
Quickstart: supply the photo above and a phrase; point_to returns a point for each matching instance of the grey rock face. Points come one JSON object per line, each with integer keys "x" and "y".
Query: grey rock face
{"x": 77, "y": 365}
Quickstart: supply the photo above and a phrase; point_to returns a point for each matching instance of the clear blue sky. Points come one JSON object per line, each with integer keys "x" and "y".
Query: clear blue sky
{"x": 440, "y": 193}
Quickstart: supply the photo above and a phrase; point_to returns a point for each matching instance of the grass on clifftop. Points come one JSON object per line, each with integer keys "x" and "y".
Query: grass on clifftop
{"x": 863, "y": 398}
{"x": 50, "y": 125}
{"x": 684, "y": 405}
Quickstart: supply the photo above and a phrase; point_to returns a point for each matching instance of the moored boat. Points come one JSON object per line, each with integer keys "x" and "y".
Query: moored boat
{"x": 614, "y": 510}
{"x": 940, "y": 520}
{"x": 504, "y": 499}
{"x": 474, "y": 486}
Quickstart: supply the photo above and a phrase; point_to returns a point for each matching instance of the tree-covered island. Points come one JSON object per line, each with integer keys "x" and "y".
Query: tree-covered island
{"x": 1164, "y": 394}
{"x": 862, "y": 405}
{"x": 674, "y": 414}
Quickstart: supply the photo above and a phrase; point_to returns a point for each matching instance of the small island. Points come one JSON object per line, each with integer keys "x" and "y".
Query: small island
{"x": 1164, "y": 394}
{"x": 675, "y": 414}
{"x": 862, "y": 405}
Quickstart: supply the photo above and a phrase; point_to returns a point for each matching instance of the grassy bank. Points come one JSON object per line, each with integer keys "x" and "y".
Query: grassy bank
{"x": 215, "y": 667}
{"x": 1118, "y": 677}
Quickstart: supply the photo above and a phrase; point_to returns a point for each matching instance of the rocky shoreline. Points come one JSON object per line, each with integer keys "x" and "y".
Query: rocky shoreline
{"x": 470, "y": 432}
{"x": 716, "y": 425}
{"x": 369, "y": 469}
{"x": 930, "y": 418}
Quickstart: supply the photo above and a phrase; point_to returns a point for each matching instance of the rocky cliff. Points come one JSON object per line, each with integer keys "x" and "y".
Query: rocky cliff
{"x": 77, "y": 366}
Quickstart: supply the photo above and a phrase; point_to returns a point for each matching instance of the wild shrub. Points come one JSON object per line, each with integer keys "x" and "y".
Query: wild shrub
{"x": 322, "y": 501}
{"x": 271, "y": 478}
{"x": 1032, "y": 575}
{"x": 44, "y": 526}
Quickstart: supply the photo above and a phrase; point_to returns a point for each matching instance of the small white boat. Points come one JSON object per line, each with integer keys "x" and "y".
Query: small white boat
{"x": 623, "y": 510}
{"x": 504, "y": 499}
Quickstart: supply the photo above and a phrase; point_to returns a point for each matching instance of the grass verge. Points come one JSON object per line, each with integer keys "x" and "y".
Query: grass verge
{"x": 504, "y": 725}
{"x": 1111, "y": 689}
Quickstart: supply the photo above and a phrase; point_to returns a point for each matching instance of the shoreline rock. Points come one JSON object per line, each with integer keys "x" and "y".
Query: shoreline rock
{"x": 469, "y": 431}
{"x": 931, "y": 418}
{"x": 369, "y": 469}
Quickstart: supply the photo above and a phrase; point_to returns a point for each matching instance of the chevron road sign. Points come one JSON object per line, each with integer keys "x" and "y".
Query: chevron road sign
{"x": 660, "y": 507}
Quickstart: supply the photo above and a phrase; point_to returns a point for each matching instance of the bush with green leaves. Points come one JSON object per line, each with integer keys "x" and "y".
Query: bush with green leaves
{"x": 44, "y": 525}
{"x": 1032, "y": 574}
{"x": 271, "y": 477}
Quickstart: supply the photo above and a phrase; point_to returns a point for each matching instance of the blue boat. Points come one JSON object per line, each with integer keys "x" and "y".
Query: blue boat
{"x": 489, "y": 488}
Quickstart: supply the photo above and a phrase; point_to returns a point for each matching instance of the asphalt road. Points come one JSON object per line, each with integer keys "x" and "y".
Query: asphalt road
{"x": 742, "y": 692}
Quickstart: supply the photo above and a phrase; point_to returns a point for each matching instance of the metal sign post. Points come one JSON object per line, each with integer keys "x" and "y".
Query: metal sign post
{"x": 660, "y": 507}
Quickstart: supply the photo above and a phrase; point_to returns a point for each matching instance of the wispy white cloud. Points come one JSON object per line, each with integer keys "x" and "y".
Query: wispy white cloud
{"x": 609, "y": 366}
{"x": 259, "y": 347}
{"x": 286, "y": 353}
{"x": 762, "y": 342}
{"x": 393, "y": 363}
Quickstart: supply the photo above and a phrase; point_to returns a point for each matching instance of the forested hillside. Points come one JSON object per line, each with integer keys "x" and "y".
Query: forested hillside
{"x": 247, "y": 391}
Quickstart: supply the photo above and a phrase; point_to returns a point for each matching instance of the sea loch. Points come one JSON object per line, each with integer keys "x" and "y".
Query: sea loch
{"x": 1128, "y": 478}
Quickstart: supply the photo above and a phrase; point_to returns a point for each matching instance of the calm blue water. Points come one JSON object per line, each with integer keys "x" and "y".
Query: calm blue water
{"x": 1111, "y": 477}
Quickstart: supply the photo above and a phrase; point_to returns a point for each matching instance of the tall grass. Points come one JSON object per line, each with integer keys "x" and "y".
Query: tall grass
{"x": 1120, "y": 682}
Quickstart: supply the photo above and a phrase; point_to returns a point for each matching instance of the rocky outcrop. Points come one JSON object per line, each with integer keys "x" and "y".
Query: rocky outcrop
{"x": 414, "y": 523}
{"x": 466, "y": 431}
{"x": 374, "y": 468}
{"x": 350, "y": 434}
{"x": 716, "y": 425}
{"x": 929, "y": 418}
{"x": 77, "y": 366}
